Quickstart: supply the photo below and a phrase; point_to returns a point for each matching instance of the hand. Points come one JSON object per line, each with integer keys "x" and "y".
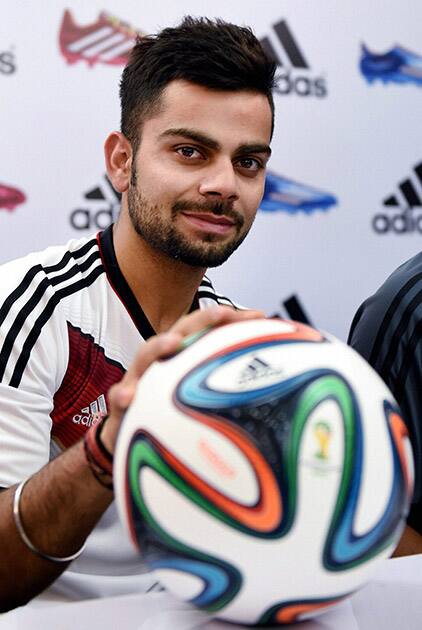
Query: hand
{"x": 410, "y": 543}
{"x": 121, "y": 394}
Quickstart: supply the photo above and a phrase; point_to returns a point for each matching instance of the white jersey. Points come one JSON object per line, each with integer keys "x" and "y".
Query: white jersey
{"x": 69, "y": 328}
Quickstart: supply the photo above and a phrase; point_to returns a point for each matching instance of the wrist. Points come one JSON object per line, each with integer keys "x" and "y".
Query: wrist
{"x": 108, "y": 433}
{"x": 98, "y": 456}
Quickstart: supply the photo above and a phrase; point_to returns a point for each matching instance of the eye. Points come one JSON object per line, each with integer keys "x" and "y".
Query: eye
{"x": 250, "y": 164}
{"x": 190, "y": 153}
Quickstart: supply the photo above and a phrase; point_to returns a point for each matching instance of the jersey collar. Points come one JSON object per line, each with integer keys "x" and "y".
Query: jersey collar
{"x": 121, "y": 287}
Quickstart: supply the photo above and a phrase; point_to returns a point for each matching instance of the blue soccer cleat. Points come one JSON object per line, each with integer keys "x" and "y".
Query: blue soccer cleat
{"x": 289, "y": 196}
{"x": 398, "y": 65}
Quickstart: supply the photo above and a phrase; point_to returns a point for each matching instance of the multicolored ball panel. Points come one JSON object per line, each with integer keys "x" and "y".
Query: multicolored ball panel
{"x": 221, "y": 581}
{"x": 294, "y": 429}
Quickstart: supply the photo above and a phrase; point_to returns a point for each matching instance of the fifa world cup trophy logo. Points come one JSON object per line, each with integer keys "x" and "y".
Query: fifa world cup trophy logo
{"x": 322, "y": 432}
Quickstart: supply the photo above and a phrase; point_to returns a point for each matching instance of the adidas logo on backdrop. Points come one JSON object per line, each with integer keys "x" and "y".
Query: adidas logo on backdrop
{"x": 102, "y": 208}
{"x": 7, "y": 62}
{"x": 281, "y": 194}
{"x": 294, "y": 309}
{"x": 402, "y": 209}
{"x": 294, "y": 77}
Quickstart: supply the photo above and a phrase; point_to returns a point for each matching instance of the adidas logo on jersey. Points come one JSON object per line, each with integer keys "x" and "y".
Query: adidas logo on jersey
{"x": 102, "y": 208}
{"x": 294, "y": 77}
{"x": 92, "y": 414}
{"x": 403, "y": 208}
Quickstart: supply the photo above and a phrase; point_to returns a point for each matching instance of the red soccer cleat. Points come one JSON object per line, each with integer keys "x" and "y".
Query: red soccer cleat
{"x": 10, "y": 197}
{"x": 108, "y": 40}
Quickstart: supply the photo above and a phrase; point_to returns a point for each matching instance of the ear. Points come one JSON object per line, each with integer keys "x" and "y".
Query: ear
{"x": 118, "y": 159}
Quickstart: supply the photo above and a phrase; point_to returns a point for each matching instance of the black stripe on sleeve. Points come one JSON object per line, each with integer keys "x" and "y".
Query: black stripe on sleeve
{"x": 205, "y": 283}
{"x": 78, "y": 253}
{"x": 407, "y": 361}
{"x": 18, "y": 323}
{"x": 215, "y": 297}
{"x": 76, "y": 269}
{"x": 20, "y": 290}
{"x": 32, "y": 303}
{"x": 32, "y": 272}
{"x": 44, "y": 317}
{"x": 397, "y": 337}
{"x": 380, "y": 338}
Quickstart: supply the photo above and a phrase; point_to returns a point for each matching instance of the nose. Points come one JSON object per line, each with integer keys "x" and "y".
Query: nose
{"x": 220, "y": 181}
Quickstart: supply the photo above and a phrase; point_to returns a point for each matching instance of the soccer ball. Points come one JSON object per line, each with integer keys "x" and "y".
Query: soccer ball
{"x": 263, "y": 471}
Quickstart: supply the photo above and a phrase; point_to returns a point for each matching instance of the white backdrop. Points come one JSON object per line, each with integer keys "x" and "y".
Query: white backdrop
{"x": 348, "y": 138}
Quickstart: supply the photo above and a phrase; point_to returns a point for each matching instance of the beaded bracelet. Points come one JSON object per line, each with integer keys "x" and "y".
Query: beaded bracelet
{"x": 24, "y": 537}
{"x": 99, "y": 459}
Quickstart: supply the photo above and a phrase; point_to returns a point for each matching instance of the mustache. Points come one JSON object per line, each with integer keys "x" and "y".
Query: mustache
{"x": 218, "y": 208}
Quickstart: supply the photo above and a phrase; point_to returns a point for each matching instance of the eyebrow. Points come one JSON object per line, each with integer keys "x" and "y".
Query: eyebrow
{"x": 206, "y": 141}
{"x": 245, "y": 149}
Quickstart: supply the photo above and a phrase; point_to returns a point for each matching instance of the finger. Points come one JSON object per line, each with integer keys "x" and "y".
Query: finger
{"x": 157, "y": 347}
{"x": 121, "y": 394}
{"x": 163, "y": 345}
{"x": 205, "y": 318}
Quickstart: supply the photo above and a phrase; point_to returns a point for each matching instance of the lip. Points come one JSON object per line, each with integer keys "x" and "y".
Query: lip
{"x": 209, "y": 222}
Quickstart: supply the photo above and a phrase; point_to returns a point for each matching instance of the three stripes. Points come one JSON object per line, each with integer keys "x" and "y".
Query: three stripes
{"x": 408, "y": 192}
{"x": 104, "y": 43}
{"x": 30, "y": 306}
{"x": 288, "y": 44}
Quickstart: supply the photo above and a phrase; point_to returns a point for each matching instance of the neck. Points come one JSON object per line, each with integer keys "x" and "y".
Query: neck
{"x": 165, "y": 288}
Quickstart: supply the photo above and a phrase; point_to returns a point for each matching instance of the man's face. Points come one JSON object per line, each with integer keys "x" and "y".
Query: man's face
{"x": 199, "y": 172}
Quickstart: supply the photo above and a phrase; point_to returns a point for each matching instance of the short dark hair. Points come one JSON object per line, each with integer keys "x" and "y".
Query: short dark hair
{"x": 212, "y": 53}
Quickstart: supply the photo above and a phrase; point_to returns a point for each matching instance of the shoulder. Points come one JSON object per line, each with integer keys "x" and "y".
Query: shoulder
{"x": 387, "y": 331}
{"x": 51, "y": 263}
{"x": 402, "y": 287}
{"x": 208, "y": 296}
{"x": 391, "y": 317}
{"x": 31, "y": 290}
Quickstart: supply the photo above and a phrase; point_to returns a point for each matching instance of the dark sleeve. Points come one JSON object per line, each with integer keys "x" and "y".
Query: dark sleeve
{"x": 388, "y": 334}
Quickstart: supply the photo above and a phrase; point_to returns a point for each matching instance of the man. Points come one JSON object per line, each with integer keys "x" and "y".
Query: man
{"x": 197, "y": 119}
{"x": 386, "y": 331}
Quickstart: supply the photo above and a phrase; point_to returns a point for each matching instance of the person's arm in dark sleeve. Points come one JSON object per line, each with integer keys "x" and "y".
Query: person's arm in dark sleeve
{"x": 389, "y": 337}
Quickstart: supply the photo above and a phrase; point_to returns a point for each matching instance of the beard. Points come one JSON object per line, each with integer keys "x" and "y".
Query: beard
{"x": 152, "y": 225}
